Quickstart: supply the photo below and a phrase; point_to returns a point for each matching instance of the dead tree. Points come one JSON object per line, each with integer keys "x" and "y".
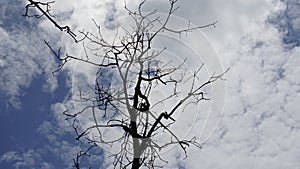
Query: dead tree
{"x": 139, "y": 69}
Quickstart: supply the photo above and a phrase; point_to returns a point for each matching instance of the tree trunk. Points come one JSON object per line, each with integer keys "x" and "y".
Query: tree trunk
{"x": 136, "y": 163}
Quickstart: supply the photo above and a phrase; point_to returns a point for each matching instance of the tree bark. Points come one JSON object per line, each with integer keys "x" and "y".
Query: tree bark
{"x": 136, "y": 163}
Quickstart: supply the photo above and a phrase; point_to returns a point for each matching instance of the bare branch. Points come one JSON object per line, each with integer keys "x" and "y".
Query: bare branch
{"x": 126, "y": 105}
{"x": 47, "y": 14}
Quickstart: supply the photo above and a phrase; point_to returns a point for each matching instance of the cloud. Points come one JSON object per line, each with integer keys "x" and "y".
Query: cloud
{"x": 24, "y": 55}
{"x": 235, "y": 18}
{"x": 10, "y": 156}
{"x": 22, "y": 62}
{"x": 29, "y": 159}
{"x": 60, "y": 143}
{"x": 287, "y": 21}
{"x": 259, "y": 126}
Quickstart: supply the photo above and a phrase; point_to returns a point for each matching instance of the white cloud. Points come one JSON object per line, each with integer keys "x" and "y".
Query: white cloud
{"x": 259, "y": 128}
{"x": 287, "y": 21}
{"x": 9, "y": 156}
{"x": 29, "y": 159}
{"x": 23, "y": 60}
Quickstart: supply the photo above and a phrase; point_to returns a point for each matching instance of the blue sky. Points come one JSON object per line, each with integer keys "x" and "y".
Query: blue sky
{"x": 21, "y": 126}
{"x": 258, "y": 40}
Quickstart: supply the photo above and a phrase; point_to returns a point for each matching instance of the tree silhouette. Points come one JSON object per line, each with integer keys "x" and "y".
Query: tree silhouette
{"x": 125, "y": 102}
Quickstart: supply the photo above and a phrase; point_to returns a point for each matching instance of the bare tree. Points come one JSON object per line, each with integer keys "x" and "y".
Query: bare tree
{"x": 138, "y": 69}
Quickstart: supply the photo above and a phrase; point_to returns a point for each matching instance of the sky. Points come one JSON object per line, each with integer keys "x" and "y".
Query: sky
{"x": 258, "y": 40}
